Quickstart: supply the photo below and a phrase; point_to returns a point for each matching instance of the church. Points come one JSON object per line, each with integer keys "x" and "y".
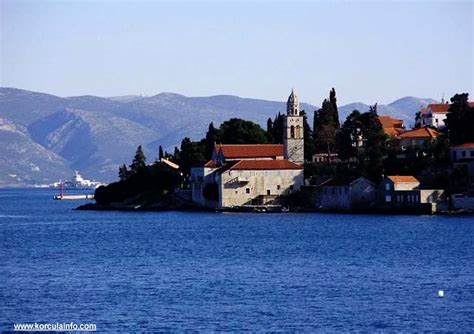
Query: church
{"x": 255, "y": 174}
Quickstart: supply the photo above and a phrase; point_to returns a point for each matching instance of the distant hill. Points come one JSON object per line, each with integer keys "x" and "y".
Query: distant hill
{"x": 404, "y": 108}
{"x": 95, "y": 135}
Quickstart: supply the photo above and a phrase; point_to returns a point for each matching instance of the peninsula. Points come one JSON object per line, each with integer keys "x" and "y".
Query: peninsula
{"x": 369, "y": 163}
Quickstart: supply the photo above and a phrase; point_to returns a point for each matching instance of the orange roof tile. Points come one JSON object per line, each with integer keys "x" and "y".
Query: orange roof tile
{"x": 402, "y": 178}
{"x": 439, "y": 107}
{"x": 465, "y": 145}
{"x": 391, "y": 126}
{"x": 211, "y": 164}
{"x": 420, "y": 133}
{"x": 388, "y": 122}
{"x": 250, "y": 150}
{"x": 264, "y": 164}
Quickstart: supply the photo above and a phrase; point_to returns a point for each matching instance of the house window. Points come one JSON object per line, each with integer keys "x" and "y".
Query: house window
{"x": 269, "y": 192}
{"x": 472, "y": 154}
{"x": 247, "y": 190}
{"x": 388, "y": 198}
{"x": 278, "y": 187}
{"x": 292, "y": 131}
{"x": 463, "y": 153}
{"x": 387, "y": 186}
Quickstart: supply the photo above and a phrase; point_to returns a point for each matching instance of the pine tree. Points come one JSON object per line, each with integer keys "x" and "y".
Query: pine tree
{"x": 460, "y": 120}
{"x": 139, "y": 161}
{"x": 123, "y": 172}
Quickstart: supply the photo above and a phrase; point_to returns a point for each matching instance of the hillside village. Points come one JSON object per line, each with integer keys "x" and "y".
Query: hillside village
{"x": 369, "y": 163}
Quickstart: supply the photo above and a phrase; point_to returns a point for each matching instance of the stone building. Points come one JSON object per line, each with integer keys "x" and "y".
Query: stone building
{"x": 405, "y": 193}
{"x": 345, "y": 194}
{"x": 256, "y": 174}
{"x": 462, "y": 160}
{"x": 293, "y": 131}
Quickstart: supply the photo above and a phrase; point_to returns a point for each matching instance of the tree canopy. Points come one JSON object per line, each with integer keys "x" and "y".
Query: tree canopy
{"x": 460, "y": 120}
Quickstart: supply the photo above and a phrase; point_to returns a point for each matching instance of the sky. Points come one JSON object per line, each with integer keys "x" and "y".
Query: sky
{"x": 370, "y": 52}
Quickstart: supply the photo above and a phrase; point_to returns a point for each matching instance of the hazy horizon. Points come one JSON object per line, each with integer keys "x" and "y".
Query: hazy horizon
{"x": 369, "y": 51}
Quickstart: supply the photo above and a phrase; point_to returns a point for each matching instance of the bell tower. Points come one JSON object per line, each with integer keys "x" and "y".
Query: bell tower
{"x": 293, "y": 131}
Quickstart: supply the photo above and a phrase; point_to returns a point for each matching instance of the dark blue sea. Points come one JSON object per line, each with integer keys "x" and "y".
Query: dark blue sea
{"x": 177, "y": 271}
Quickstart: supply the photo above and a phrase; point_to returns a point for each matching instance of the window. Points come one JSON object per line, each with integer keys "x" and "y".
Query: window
{"x": 472, "y": 154}
{"x": 388, "y": 198}
{"x": 292, "y": 131}
{"x": 463, "y": 153}
{"x": 387, "y": 186}
{"x": 247, "y": 190}
{"x": 278, "y": 187}
{"x": 269, "y": 192}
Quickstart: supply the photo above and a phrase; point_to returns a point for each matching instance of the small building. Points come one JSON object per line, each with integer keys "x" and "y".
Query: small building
{"x": 392, "y": 126}
{"x": 417, "y": 137}
{"x": 434, "y": 115}
{"x": 347, "y": 194}
{"x": 325, "y": 158}
{"x": 404, "y": 193}
{"x": 462, "y": 153}
{"x": 462, "y": 159}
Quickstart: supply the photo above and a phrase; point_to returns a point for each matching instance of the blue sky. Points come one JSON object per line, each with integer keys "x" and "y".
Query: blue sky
{"x": 369, "y": 51}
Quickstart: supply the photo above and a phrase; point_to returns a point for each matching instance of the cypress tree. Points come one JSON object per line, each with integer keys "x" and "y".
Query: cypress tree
{"x": 139, "y": 161}
{"x": 326, "y": 124}
{"x": 270, "y": 129}
{"x": 160, "y": 153}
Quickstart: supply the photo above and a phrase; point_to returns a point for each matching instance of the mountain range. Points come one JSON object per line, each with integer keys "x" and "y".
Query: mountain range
{"x": 45, "y": 138}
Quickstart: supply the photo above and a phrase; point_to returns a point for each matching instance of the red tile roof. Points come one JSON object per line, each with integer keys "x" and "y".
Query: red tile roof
{"x": 250, "y": 151}
{"x": 439, "y": 107}
{"x": 420, "y": 133}
{"x": 391, "y": 126}
{"x": 211, "y": 164}
{"x": 264, "y": 165}
{"x": 465, "y": 145}
{"x": 402, "y": 179}
{"x": 388, "y": 121}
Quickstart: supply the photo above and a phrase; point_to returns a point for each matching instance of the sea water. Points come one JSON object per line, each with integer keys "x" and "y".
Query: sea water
{"x": 176, "y": 271}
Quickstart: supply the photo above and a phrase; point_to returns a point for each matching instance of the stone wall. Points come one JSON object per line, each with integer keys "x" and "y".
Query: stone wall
{"x": 240, "y": 187}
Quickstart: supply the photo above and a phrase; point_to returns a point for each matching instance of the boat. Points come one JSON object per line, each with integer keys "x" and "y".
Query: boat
{"x": 77, "y": 183}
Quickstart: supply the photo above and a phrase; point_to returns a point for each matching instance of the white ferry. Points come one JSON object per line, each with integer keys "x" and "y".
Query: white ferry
{"x": 78, "y": 182}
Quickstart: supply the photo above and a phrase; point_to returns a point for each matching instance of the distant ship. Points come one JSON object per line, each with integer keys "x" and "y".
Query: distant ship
{"x": 78, "y": 182}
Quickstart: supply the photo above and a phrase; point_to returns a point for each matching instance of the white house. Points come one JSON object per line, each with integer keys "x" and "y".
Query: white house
{"x": 433, "y": 115}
